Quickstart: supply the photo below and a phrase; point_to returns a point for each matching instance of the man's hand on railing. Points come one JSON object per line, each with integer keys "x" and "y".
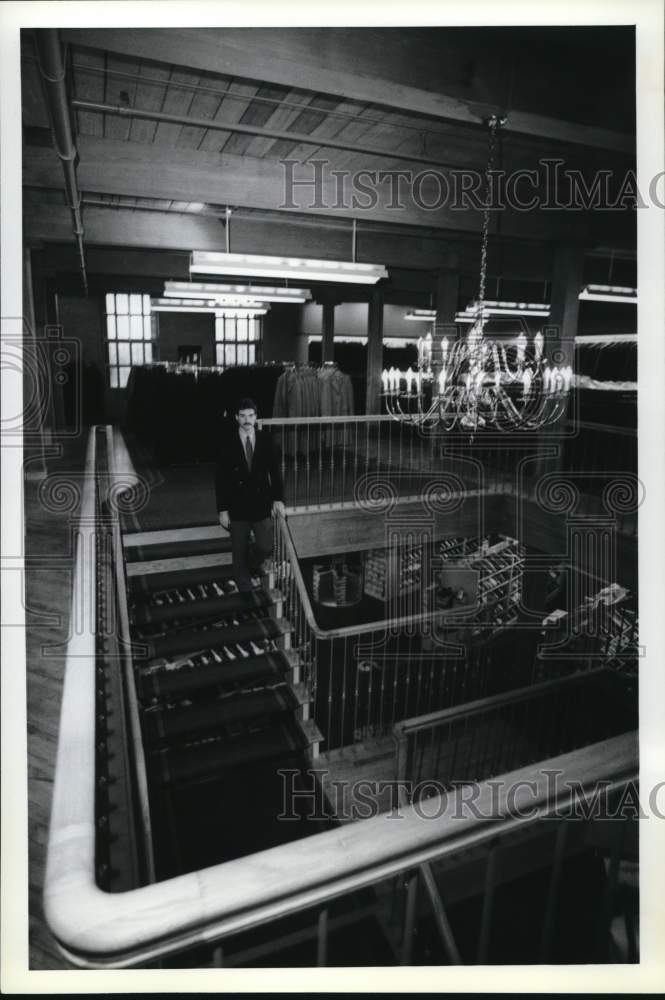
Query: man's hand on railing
{"x": 224, "y": 519}
{"x": 278, "y": 509}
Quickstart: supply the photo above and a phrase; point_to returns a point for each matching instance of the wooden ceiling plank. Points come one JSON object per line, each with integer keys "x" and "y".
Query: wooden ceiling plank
{"x": 285, "y": 59}
{"x": 204, "y": 105}
{"x": 150, "y": 94}
{"x": 177, "y": 101}
{"x": 121, "y": 92}
{"x": 259, "y": 113}
{"x": 231, "y": 109}
{"x": 282, "y": 118}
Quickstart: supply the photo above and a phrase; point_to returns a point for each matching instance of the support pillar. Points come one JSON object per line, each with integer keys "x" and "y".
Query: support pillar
{"x": 374, "y": 350}
{"x": 447, "y": 294}
{"x": 328, "y": 331}
{"x": 561, "y": 330}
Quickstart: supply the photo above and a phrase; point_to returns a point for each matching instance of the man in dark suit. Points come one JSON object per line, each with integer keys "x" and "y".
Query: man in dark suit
{"x": 249, "y": 492}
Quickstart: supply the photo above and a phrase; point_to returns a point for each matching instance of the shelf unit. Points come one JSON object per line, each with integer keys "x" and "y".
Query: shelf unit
{"x": 500, "y": 565}
{"x": 393, "y": 573}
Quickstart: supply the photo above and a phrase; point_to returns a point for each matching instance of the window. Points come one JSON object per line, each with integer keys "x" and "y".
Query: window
{"x": 236, "y": 340}
{"x": 129, "y": 335}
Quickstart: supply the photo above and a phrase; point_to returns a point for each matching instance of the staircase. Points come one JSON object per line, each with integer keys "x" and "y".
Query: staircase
{"x": 222, "y": 707}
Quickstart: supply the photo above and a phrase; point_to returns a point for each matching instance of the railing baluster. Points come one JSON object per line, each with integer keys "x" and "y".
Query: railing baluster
{"x": 322, "y": 938}
{"x": 409, "y": 919}
{"x": 488, "y": 904}
{"x": 440, "y": 918}
{"x": 553, "y": 891}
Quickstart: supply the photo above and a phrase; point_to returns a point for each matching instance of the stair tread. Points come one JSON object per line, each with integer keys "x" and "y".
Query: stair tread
{"x": 203, "y": 607}
{"x": 164, "y": 570}
{"x": 212, "y": 638}
{"x": 209, "y": 758}
{"x": 171, "y": 723}
{"x": 168, "y": 550}
{"x": 161, "y": 684}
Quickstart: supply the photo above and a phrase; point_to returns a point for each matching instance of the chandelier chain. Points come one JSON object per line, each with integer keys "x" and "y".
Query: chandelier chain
{"x": 493, "y": 124}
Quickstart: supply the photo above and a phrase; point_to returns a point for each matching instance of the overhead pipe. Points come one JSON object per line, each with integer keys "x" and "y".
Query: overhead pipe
{"x": 52, "y": 69}
{"x": 240, "y": 128}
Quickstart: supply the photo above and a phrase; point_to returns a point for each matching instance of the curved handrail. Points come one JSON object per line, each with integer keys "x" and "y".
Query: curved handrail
{"x": 110, "y": 930}
{"x": 97, "y": 929}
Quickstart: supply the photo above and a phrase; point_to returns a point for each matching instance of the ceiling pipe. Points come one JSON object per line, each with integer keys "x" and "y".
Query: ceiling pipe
{"x": 52, "y": 69}
{"x": 240, "y": 128}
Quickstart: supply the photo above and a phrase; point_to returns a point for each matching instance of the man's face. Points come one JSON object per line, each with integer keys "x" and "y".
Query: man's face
{"x": 246, "y": 419}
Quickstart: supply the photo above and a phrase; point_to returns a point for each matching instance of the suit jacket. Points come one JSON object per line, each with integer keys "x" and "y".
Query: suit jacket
{"x": 247, "y": 495}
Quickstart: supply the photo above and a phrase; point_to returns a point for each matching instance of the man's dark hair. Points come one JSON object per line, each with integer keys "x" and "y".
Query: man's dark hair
{"x": 247, "y": 404}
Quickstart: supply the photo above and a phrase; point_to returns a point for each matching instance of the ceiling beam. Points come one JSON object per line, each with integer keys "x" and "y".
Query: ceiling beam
{"x": 150, "y": 171}
{"x": 280, "y": 58}
{"x": 133, "y": 229}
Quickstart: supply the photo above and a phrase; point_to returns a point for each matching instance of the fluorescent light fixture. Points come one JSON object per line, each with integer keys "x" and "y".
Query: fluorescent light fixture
{"x": 241, "y": 313}
{"x": 426, "y": 315}
{"x": 594, "y": 339}
{"x": 205, "y": 306}
{"x": 399, "y": 342}
{"x": 609, "y": 293}
{"x": 245, "y": 293}
{"x": 315, "y": 339}
{"x": 209, "y": 262}
{"x": 495, "y": 308}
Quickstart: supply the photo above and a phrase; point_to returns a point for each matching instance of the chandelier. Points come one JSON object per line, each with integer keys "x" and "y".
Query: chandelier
{"x": 472, "y": 381}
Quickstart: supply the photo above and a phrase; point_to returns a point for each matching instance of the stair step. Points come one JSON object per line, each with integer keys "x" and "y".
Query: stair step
{"x": 208, "y": 607}
{"x": 161, "y": 574}
{"x": 143, "y": 588}
{"x": 212, "y": 638}
{"x": 311, "y": 732}
{"x": 240, "y": 709}
{"x": 269, "y": 668}
{"x": 197, "y": 533}
{"x": 210, "y": 758}
{"x": 169, "y": 550}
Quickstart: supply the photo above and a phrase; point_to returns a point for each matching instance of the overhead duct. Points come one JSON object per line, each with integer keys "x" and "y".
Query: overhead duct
{"x": 52, "y": 69}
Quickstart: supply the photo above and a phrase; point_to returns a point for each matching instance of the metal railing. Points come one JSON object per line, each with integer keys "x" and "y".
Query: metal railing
{"x": 363, "y": 678}
{"x": 323, "y": 459}
{"x": 476, "y": 741}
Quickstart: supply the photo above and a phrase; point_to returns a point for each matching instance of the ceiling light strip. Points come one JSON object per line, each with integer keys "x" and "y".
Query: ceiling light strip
{"x": 343, "y": 271}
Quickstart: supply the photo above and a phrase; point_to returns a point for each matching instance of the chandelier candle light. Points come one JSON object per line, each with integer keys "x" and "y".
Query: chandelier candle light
{"x": 473, "y": 381}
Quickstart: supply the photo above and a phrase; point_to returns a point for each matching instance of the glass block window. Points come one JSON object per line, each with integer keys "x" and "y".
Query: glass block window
{"x": 237, "y": 339}
{"x": 130, "y": 335}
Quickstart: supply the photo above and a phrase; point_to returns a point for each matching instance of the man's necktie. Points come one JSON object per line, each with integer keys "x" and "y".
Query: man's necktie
{"x": 249, "y": 452}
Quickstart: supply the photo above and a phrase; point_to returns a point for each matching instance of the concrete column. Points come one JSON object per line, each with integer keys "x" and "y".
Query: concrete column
{"x": 567, "y": 277}
{"x": 567, "y": 280}
{"x": 328, "y": 331}
{"x": 374, "y": 350}
{"x": 447, "y": 292}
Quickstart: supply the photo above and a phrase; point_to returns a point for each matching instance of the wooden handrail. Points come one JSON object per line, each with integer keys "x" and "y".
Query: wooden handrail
{"x": 125, "y": 645}
{"x": 107, "y": 930}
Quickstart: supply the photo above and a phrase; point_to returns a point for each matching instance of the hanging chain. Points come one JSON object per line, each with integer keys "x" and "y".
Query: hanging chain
{"x": 493, "y": 123}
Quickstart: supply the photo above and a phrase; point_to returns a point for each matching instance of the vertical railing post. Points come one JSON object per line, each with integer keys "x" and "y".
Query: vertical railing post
{"x": 322, "y": 938}
{"x": 409, "y": 918}
{"x": 488, "y": 904}
{"x": 553, "y": 892}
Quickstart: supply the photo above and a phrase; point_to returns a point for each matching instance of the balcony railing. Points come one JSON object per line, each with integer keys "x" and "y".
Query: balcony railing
{"x": 324, "y": 458}
{"x": 146, "y": 923}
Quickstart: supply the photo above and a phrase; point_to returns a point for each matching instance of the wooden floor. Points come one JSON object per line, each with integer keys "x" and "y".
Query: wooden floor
{"x": 48, "y": 582}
